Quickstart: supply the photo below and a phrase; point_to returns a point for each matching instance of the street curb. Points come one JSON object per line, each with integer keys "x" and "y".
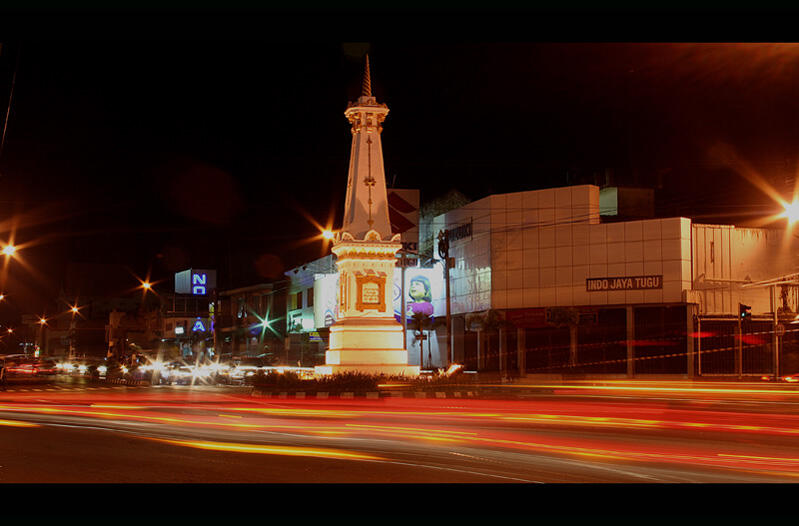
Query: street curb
{"x": 369, "y": 395}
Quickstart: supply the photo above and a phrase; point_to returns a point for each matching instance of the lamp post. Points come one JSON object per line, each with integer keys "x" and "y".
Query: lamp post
{"x": 443, "y": 251}
{"x": 74, "y": 310}
{"x": 41, "y": 347}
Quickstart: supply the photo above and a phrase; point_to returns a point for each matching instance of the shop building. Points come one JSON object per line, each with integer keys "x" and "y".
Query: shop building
{"x": 307, "y": 335}
{"x": 249, "y": 321}
{"x": 544, "y": 284}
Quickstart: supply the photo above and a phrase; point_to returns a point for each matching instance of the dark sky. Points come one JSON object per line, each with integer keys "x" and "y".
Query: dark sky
{"x": 166, "y": 153}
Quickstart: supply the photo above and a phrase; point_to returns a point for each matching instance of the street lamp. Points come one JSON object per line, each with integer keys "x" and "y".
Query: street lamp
{"x": 327, "y": 234}
{"x": 791, "y": 212}
{"x": 9, "y": 250}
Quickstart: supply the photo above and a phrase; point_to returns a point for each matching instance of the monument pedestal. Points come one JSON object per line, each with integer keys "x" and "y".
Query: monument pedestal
{"x": 367, "y": 345}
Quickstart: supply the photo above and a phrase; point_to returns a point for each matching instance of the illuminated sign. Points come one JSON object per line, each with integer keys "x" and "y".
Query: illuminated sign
{"x": 198, "y": 282}
{"x": 624, "y": 283}
{"x": 325, "y": 304}
{"x": 178, "y": 329}
{"x": 198, "y": 326}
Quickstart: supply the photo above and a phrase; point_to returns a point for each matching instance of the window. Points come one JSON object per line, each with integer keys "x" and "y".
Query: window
{"x": 299, "y": 300}
{"x": 310, "y": 297}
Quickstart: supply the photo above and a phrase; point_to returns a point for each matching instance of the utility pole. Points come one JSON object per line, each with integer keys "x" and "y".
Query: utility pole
{"x": 443, "y": 251}
{"x": 775, "y": 336}
{"x": 403, "y": 262}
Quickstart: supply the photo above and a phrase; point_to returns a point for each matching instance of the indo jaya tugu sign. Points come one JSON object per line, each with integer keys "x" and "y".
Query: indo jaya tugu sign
{"x": 624, "y": 283}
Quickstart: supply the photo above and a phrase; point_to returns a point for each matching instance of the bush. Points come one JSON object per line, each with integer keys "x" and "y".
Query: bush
{"x": 350, "y": 381}
{"x": 336, "y": 382}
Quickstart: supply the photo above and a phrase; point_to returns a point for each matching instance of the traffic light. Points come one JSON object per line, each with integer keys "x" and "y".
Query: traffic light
{"x": 744, "y": 312}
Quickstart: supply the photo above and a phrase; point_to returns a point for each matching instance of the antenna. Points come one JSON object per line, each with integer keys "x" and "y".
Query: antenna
{"x": 10, "y": 99}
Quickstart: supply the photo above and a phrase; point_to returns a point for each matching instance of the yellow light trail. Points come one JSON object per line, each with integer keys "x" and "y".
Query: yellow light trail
{"x": 270, "y": 450}
{"x": 17, "y": 423}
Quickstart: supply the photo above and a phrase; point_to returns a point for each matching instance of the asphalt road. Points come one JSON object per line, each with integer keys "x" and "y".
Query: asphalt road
{"x": 82, "y": 433}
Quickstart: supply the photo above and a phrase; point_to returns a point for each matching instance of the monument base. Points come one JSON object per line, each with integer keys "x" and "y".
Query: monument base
{"x": 367, "y": 345}
{"x": 409, "y": 371}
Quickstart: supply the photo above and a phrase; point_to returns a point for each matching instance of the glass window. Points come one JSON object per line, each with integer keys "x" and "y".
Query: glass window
{"x": 310, "y": 297}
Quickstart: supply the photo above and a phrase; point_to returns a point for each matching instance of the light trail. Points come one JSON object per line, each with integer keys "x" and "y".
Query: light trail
{"x": 270, "y": 449}
{"x": 17, "y": 423}
{"x": 449, "y": 425}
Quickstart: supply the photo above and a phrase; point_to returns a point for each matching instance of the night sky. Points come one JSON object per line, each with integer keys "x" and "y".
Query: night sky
{"x": 168, "y": 153}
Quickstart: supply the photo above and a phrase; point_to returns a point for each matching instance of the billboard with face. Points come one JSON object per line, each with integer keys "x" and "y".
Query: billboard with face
{"x": 424, "y": 292}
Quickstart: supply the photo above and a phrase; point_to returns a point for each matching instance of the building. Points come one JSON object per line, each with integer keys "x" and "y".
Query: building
{"x": 307, "y": 333}
{"x": 543, "y": 284}
{"x": 249, "y": 321}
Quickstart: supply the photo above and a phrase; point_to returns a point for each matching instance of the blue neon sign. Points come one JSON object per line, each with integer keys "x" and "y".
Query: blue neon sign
{"x": 199, "y": 282}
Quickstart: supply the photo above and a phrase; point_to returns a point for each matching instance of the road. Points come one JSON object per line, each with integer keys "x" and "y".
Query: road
{"x": 82, "y": 433}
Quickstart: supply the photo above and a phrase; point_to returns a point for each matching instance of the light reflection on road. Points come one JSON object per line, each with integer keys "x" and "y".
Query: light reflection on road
{"x": 645, "y": 433}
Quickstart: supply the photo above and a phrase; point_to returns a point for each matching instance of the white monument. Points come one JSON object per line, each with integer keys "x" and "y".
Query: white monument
{"x": 366, "y": 338}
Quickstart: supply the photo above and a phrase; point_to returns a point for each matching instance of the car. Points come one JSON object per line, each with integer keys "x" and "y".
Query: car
{"x": 181, "y": 374}
{"x": 22, "y": 367}
{"x": 244, "y": 367}
{"x": 790, "y": 378}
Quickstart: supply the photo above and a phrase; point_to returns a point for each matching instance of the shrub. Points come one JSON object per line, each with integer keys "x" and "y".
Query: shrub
{"x": 336, "y": 382}
{"x": 350, "y": 381}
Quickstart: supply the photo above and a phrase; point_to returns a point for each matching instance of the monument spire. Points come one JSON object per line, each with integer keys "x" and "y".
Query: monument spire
{"x": 366, "y": 204}
{"x": 366, "y": 88}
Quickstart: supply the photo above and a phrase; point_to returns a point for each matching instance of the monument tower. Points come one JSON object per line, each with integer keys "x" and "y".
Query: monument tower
{"x": 366, "y": 338}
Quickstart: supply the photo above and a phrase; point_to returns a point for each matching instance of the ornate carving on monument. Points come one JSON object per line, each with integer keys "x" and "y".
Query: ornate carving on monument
{"x": 371, "y": 292}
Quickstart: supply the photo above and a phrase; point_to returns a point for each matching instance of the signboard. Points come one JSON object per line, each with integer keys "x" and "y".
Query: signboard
{"x": 460, "y": 232}
{"x": 424, "y": 292}
{"x": 325, "y": 303}
{"x": 624, "y": 283}
{"x": 198, "y": 282}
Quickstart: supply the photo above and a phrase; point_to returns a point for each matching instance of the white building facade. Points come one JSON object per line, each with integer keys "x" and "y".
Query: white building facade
{"x": 541, "y": 284}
